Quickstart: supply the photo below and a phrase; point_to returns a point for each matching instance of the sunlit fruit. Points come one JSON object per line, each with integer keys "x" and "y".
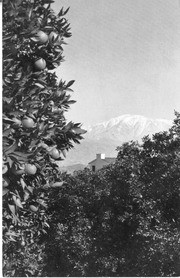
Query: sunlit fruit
{"x": 33, "y": 208}
{"x": 57, "y": 184}
{"x": 23, "y": 243}
{"x": 54, "y": 153}
{"x": 40, "y": 64}
{"x": 4, "y": 168}
{"x": 28, "y": 122}
{"x": 54, "y": 38}
{"x": 17, "y": 169}
{"x": 30, "y": 169}
{"x": 51, "y": 103}
{"x": 41, "y": 37}
{"x": 6, "y": 182}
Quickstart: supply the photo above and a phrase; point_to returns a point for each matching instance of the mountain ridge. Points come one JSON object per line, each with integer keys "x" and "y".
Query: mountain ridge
{"x": 115, "y": 120}
{"x": 140, "y": 125}
{"x": 106, "y": 136}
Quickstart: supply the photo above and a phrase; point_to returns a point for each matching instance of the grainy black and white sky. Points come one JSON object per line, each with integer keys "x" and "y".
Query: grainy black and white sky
{"x": 124, "y": 56}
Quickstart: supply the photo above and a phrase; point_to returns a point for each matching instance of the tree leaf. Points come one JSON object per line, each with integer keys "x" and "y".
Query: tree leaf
{"x": 12, "y": 234}
{"x": 11, "y": 148}
{"x": 30, "y": 188}
{"x": 63, "y": 152}
{"x": 7, "y": 132}
{"x": 6, "y": 181}
{"x": 17, "y": 201}
{"x": 7, "y": 120}
{"x": 71, "y": 102}
{"x": 21, "y": 155}
{"x": 10, "y": 161}
{"x": 7, "y": 99}
{"x": 65, "y": 12}
{"x": 79, "y": 130}
{"x": 12, "y": 208}
{"x": 70, "y": 83}
{"x": 39, "y": 85}
{"x": 12, "y": 239}
{"x": 5, "y": 191}
{"x": 23, "y": 184}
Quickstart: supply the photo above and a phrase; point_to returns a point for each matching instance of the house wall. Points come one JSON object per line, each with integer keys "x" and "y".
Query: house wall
{"x": 98, "y": 163}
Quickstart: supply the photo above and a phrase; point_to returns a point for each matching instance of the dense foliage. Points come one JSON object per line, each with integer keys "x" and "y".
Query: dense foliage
{"x": 35, "y": 132}
{"x": 123, "y": 220}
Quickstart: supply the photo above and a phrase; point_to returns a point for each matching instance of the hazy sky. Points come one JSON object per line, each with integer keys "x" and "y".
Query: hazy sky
{"x": 124, "y": 56}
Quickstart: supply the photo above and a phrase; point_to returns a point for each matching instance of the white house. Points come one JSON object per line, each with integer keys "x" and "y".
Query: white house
{"x": 100, "y": 161}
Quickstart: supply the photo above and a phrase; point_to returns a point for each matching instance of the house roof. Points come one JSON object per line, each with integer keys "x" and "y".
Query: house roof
{"x": 107, "y": 159}
{"x": 110, "y": 159}
{"x": 92, "y": 161}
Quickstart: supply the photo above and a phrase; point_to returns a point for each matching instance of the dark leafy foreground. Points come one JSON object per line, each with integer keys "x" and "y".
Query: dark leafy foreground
{"x": 123, "y": 220}
{"x": 36, "y": 133}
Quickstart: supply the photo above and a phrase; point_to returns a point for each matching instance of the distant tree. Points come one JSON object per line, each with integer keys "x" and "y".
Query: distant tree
{"x": 35, "y": 132}
{"x": 122, "y": 220}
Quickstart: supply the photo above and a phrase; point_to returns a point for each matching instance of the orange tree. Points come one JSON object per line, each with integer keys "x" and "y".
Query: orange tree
{"x": 35, "y": 132}
{"x": 122, "y": 220}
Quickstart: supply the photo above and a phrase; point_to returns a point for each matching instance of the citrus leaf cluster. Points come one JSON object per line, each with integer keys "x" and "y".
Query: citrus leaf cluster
{"x": 122, "y": 220}
{"x": 36, "y": 134}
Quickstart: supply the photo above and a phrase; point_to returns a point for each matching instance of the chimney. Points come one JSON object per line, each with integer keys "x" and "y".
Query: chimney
{"x": 100, "y": 156}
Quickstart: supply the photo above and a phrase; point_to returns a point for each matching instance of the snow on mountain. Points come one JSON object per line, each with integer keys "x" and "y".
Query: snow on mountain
{"x": 127, "y": 127}
{"x": 106, "y": 136}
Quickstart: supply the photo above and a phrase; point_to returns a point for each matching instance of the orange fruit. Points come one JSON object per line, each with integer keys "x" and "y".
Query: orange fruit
{"x": 57, "y": 184}
{"x": 30, "y": 169}
{"x": 41, "y": 37}
{"x": 40, "y": 64}
{"x": 28, "y": 122}
{"x": 33, "y": 208}
{"x": 54, "y": 153}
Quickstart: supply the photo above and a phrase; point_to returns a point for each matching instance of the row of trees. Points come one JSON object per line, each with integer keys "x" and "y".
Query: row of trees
{"x": 124, "y": 219}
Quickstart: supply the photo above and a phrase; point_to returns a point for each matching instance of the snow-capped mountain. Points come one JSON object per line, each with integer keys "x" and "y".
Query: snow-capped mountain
{"x": 127, "y": 127}
{"x": 105, "y": 137}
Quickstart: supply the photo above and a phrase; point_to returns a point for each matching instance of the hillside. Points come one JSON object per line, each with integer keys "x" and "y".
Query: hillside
{"x": 106, "y": 136}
